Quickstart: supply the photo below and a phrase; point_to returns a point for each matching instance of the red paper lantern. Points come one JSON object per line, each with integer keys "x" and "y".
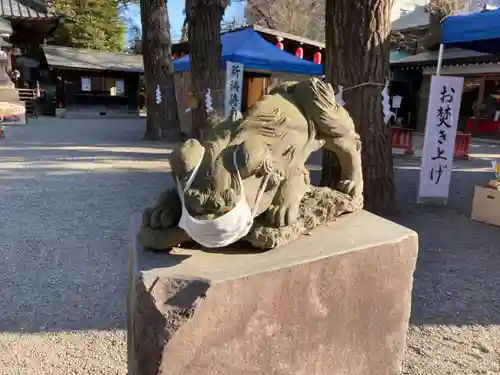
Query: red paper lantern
{"x": 299, "y": 53}
{"x": 317, "y": 58}
{"x": 280, "y": 45}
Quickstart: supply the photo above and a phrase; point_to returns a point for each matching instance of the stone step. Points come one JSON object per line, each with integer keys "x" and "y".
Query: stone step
{"x": 100, "y": 114}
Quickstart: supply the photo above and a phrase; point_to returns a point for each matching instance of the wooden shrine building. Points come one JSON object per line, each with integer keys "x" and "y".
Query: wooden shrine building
{"x": 32, "y": 22}
{"x": 91, "y": 78}
{"x": 94, "y": 80}
{"x": 480, "y": 105}
{"x": 289, "y": 43}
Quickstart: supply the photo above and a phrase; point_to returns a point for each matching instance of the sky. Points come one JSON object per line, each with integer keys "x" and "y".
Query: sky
{"x": 175, "y": 8}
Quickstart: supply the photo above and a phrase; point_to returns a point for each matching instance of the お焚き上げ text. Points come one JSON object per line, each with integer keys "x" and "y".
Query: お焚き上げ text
{"x": 443, "y": 119}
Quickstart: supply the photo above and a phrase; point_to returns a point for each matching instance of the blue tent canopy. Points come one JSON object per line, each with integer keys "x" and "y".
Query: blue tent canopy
{"x": 247, "y": 47}
{"x": 479, "y": 31}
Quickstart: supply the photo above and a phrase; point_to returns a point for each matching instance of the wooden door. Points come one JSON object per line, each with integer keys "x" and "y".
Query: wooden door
{"x": 253, "y": 90}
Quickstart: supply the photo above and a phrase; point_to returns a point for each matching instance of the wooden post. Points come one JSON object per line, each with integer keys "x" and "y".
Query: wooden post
{"x": 479, "y": 102}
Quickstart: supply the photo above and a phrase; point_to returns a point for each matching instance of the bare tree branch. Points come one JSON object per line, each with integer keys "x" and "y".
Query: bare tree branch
{"x": 299, "y": 17}
{"x": 439, "y": 9}
{"x": 447, "y": 7}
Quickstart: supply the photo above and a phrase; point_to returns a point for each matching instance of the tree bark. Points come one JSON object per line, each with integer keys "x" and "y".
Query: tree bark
{"x": 204, "y": 19}
{"x": 163, "y": 117}
{"x": 357, "y": 51}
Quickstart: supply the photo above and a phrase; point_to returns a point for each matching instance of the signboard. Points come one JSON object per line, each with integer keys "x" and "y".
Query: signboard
{"x": 86, "y": 84}
{"x": 440, "y": 133}
{"x": 12, "y": 113}
{"x": 396, "y": 101}
{"x": 120, "y": 87}
{"x": 234, "y": 86}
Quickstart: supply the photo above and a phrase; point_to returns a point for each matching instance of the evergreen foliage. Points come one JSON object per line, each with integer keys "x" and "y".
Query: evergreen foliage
{"x": 92, "y": 24}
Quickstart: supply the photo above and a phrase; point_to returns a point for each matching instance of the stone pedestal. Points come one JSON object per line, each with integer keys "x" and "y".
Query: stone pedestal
{"x": 333, "y": 303}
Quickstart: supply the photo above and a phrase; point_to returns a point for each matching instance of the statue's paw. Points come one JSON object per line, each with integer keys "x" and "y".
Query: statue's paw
{"x": 158, "y": 218}
{"x": 346, "y": 186}
{"x": 283, "y": 215}
{"x": 350, "y": 187}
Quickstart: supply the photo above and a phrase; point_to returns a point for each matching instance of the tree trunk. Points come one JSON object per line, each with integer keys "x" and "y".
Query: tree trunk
{"x": 204, "y": 20}
{"x": 163, "y": 118}
{"x": 357, "y": 51}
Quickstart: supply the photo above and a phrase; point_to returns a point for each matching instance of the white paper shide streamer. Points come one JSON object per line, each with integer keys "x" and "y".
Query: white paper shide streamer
{"x": 338, "y": 97}
{"x": 158, "y": 94}
{"x": 386, "y": 106}
{"x": 208, "y": 101}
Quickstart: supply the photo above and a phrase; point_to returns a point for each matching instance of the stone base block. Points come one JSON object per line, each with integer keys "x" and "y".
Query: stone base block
{"x": 333, "y": 303}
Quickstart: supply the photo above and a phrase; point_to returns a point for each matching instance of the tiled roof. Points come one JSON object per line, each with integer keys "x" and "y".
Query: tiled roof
{"x": 27, "y": 9}
{"x": 307, "y": 41}
{"x": 449, "y": 54}
{"x": 73, "y": 58}
{"x": 418, "y": 17}
{"x": 5, "y": 26}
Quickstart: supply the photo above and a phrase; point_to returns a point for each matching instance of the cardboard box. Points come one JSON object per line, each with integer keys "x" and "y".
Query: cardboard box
{"x": 486, "y": 205}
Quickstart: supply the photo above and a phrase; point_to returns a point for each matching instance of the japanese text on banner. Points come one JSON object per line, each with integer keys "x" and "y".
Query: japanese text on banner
{"x": 234, "y": 86}
{"x": 440, "y": 134}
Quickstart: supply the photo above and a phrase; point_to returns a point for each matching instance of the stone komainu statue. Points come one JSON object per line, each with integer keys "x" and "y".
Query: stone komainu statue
{"x": 254, "y": 167}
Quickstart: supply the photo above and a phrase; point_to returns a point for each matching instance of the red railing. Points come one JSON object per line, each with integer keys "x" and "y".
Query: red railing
{"x": 462, "y": 145}
{"x": 403, "y": 139}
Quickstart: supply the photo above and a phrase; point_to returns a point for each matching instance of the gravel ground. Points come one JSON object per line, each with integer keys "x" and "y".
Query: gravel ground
{"x": 67, "y": 190}
{"x": 455, "y": 323}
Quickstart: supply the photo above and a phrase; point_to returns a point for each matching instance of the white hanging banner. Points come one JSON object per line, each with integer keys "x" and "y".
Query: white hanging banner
{"x": 208, "y": 101}
{"x": 440, "y": 133}
{"x": 338, "y": 96}
{"x": 234, "y": 86}
{"x": 386, "y": 106}
{"x": 396, "y": 101}
{"x": 158, "y": 94}
{"x": 86, "y": 84}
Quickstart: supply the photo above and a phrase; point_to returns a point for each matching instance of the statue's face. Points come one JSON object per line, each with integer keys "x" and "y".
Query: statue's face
{"x": 215, "y": 189}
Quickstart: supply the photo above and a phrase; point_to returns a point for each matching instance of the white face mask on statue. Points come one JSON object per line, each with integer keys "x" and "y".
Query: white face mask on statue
{"x": 226, "y": 229}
